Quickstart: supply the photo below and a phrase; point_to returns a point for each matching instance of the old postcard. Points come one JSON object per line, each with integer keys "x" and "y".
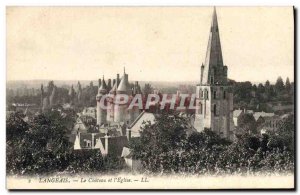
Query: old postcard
{"x": 150, "y": 98}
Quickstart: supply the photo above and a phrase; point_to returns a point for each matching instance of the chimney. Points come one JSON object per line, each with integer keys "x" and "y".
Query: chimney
{"x": 93, "y": 140}
{"x": 106, "y": 137}
{"x": 128, "y": 134}
{"x": 109, "y": 84}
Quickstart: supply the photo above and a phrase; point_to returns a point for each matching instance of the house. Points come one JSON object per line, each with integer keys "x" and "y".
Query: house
{"x": 238, "y": 113}
{"x": 136, "y": 127}
{"x": 131, "y": 162}
{"x": 270, "y": 124}
{"x": 258, "y": 115}
{"x": 90, "y": 111}
{"x": 84, "y": 124}
{"x": 113, "y": 129}
{"x": 104, "y": 143}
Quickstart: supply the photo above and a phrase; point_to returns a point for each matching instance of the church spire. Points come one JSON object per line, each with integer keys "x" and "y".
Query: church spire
{"x": 214, "y": 59}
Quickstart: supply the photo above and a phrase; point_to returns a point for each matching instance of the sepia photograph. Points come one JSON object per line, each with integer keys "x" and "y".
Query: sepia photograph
{"x": 150, "y": 98}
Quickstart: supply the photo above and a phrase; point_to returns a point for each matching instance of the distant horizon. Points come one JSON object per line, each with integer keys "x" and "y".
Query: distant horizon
{"x": 132, "y": 80}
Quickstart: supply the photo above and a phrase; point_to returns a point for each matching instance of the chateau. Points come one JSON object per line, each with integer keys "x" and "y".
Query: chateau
{"x": 214, "y": 100}
{"x": 116, "y": 113}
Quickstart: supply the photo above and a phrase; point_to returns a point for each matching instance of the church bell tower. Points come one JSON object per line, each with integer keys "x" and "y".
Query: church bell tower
{"x": 214, "y": 100}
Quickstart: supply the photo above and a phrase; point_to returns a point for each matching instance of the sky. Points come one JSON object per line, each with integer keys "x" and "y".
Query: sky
{"x": 152, "y": 43}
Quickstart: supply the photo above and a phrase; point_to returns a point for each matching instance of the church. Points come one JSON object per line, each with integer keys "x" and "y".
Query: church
{"x": 214, "y": 99}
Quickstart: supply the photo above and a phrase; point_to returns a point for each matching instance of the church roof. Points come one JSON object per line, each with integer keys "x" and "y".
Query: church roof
{"x": 214, "y": 52}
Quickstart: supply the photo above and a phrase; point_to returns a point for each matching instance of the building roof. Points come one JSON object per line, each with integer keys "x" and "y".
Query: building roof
{"x": 257, "y": 115}
{"x": 114, "y": 88}
{"x": 115, "y": 144}
{"x": 237, "y": 113}
{"x": 86, "y": 137}
{"x": 88, "y": 120}
{"x": 89, "y": 109}
{"x": 102, "y": 89}
{"x": 123, "y": 86}
{"x": 214, "y": 52}
{"x": 135, "y": 127}
{"x": 126, "y": 153}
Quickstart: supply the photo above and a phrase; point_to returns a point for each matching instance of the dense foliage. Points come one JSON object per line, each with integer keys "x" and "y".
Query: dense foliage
{"x": 164, "y": 147}
{"x": 262, "y": 96}
{"x": 41, "y": 147}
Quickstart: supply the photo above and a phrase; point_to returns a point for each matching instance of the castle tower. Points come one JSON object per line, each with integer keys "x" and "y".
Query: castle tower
{"x": 214, "y": 100}
{"x": 120, "y": 110}
{"x": 101, "y": 111}
{"x": 135, "y": 110}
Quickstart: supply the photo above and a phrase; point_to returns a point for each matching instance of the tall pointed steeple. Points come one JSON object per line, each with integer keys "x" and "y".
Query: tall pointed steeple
{"x": 214, "y": 100}
{"x": 213, "y": 72}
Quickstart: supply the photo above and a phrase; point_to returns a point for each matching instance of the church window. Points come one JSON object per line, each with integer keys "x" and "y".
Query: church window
{"x": 224, "y": 94}
{"x": 206, "y": 94}
{"x": 212, "y": 80}
{"x": 200, "y": 108}
{"x": 215, "y": 109}
{"x": 215, "y": 94}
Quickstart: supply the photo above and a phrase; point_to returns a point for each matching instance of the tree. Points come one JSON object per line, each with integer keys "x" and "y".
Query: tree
{"x": 267, "y": 84}
{"x": 288, "y": 85}
{"x": 279, "y": 86}
{"x": 284, "y": 137}
{"x": 147, "y": 89}
{"x": 16, "y": 127}
{"x": 205, "y": 138}
{"x": 247, "y": 124}
{"x": 160, "y": 141}
{"x": 42, "y": 149}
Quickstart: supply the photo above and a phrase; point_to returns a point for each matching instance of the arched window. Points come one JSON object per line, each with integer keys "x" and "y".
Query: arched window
{"x": 224, "y": 94}
{"x": 200, "y": 93}
{"x": 215, "y": 94}
{"x": 200, "y": 108}
{"x": 211, "y": 80}
{"x": 215, "y": 109}
{"x": 206, "y": 94}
